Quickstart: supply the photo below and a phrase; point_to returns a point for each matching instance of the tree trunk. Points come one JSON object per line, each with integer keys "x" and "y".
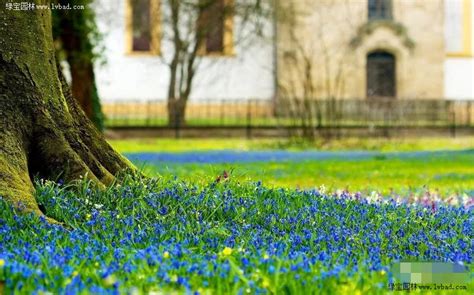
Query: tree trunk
{"x": 43, "y": 130}
{"x": 74, "y": 33}
{"x": 176, "y": 112}
{"x": 81, "y": 86}
{"x": 84, "y": 90}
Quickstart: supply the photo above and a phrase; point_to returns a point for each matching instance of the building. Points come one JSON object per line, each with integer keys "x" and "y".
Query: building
{"x": 404, "y": 49}
{"x": 459, "y": 62}
{"x": 376, "y": 49}
{"x": 137, "y": 50}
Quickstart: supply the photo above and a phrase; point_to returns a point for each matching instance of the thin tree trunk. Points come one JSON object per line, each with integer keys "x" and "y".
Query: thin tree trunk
{"x": 176, "y": 112}
{"x": 82, "y": 85}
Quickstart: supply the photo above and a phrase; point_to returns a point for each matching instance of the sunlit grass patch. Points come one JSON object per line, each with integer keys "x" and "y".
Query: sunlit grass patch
{"x": 406, "y": 173}
{"x": 370, "y": 144}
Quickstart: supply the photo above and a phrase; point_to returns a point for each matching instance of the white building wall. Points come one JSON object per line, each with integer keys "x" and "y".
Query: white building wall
{"x": 459, "y": 78}
{"x": 247, "y": 75}
{"x": 459, "y": 70}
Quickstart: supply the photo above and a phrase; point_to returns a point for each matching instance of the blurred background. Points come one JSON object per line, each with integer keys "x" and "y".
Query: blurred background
{"x": 280, "y": 68}
{"x": 393, "y": 78}
{"x": 285, "y": 68}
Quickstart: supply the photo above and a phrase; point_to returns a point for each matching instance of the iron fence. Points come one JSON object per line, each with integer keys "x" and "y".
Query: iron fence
{"x": 295, "y": 112}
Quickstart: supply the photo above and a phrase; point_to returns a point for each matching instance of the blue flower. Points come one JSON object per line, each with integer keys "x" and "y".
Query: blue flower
{"x": 163, "y": 210}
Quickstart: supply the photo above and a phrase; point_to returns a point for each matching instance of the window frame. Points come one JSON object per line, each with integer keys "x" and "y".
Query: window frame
{"x": 388, "y": 15}
{"x": 227, "y": 38}
{"x": 155, "y": 29}
{"x": 466, "y": 25}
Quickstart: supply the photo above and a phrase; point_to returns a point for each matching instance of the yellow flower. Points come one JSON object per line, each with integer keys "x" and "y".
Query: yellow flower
{"x": 110, "y": 280}
{"x": 75, "y": 273}
{"x": 227, "y": 251}
{"x": 382, "y": 272}
{"x": 265, "y": 256}
{"x": 2, "y": 262}
{"x": 265, "y": 283}
{"x": 347, "y": 288}
{"x": 88, "y": 216}
{"x": 166, "y": 255}
{"x": 174, "y": 278}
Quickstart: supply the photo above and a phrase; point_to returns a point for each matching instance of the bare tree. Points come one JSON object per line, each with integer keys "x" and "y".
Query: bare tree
{"x": 196, "y": 29}
{"x": 313, "y": 63}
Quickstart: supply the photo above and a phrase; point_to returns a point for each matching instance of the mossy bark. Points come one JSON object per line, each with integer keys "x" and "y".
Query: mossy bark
{"x": 43, "y": 130}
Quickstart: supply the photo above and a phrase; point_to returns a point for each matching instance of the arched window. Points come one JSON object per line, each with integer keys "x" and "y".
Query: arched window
{"x": 380, "y": 9}
{"x": 381, "y": 77}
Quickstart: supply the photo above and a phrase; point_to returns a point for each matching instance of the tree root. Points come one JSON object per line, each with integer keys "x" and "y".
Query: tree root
{"x": 49, "y": 138}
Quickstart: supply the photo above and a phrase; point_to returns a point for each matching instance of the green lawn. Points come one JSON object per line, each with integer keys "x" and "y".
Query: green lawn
{"x": 202, "y": 144}
{"x": 167, "y": 236}
{"x": 158, "y": 236}
{"x": 449, "y": 173}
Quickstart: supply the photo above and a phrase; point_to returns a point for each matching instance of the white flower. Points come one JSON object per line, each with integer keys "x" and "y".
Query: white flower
{"x": 465, "y": 199}
{"x": 322, "y": 189}
{"x": 373, "y": 198}
{"x": 454, "y": 201}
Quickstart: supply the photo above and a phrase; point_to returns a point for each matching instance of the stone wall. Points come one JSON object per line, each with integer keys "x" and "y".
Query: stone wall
{"x": 323, "y": 47}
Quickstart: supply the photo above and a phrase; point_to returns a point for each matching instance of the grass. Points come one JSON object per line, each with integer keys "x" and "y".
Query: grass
{"x": 447, "y": 173}
{"x": 197, "y": 229}
{"x": 171, "y": 236}
{"x": 372, "y": 144}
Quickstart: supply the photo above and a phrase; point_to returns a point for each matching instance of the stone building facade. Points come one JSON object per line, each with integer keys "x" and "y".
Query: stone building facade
{"x": 361, "y": 49}
{"x": 404, "y": 49}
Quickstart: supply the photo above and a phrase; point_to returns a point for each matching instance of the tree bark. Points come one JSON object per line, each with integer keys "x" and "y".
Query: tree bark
{"x": 43, "y": 130}
{"x": 177, "y": 112}
{"x": 73, "y": 32}
{"x": 82, "y": 86}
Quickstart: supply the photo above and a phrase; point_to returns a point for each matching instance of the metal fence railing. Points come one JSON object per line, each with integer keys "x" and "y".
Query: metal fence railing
{"x": 295, "y": 112}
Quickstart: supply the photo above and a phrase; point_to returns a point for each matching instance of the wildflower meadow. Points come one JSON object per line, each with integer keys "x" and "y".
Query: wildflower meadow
{"x": 166, "y": 235}
{"x": 236, "y": 147}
